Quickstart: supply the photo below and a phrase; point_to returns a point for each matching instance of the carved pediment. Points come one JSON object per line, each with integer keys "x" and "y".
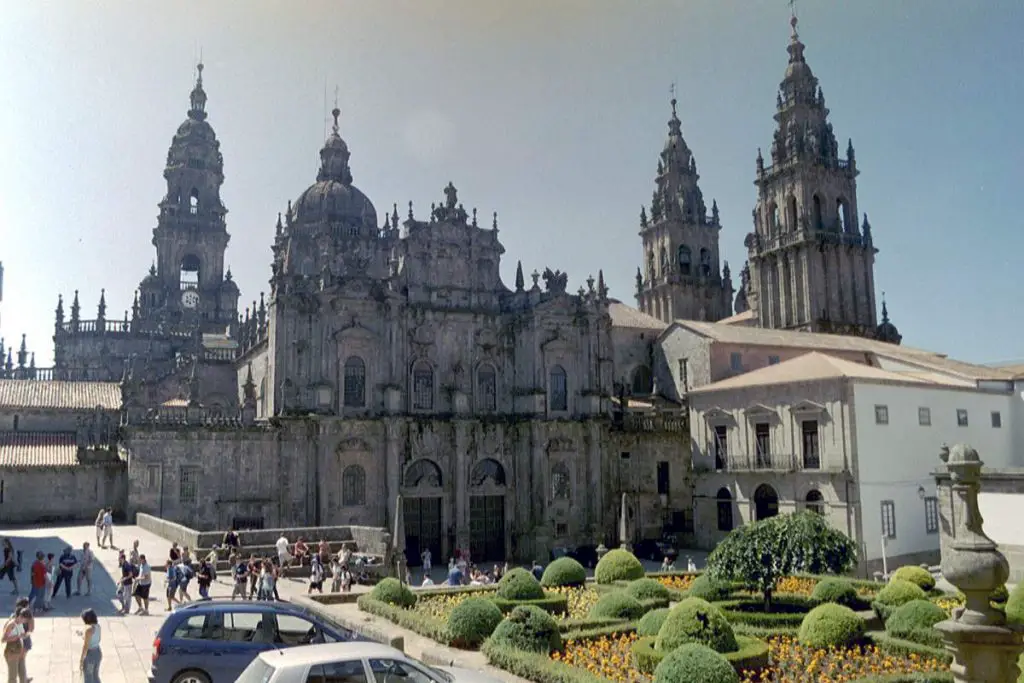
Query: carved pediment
{"x": 556, "y": 340}
{"x": 423, "y": 334}
{"x": 717, "y": 416}
{"x": 354, "y": 329}
{"x": 808, "y": 408}
{"x": 759, "y": 411}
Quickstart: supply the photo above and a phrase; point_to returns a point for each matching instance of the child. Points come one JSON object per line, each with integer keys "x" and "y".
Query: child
{"x": 316, "y": 575}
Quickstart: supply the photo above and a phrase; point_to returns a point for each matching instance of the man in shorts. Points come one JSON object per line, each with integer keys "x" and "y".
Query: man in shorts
{"x": 142, "y": 586}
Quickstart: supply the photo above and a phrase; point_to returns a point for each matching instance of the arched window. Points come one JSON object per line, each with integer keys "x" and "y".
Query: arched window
{"x": 423, "y": 472}
{"x": 558, "y": 392}
{"x": 815, "y": 501}
{"x": 422, "y": 386}
{"x": 487, "y": 388}
{"x": 643, "y": 382}
{"x": 843, "y": 215}
{"x": 766, "y": 502}
{"x": 724, "y": 499}
{"x": 193, "y": 201}
{"x": 353, "y": 486}
{"x": 487, "y": 469}
{"x": 355, "y": 382}
{"x": 705, "y": 263}
{"x": 685, "y": 257}
{"x": 561, "y": 484}
{"x": 189, "y": 272}
{"x": 816, "y": 215}
{"x": 791, "y": 211}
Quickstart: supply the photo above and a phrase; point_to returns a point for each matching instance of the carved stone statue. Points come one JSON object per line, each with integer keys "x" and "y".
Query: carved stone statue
{"x": 555, "y": 281}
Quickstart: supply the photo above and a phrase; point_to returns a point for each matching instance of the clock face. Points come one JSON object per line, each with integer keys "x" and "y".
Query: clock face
{"x": 190, "y": 298}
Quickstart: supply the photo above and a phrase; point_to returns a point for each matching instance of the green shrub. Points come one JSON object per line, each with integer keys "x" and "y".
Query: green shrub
{"x": 393, "y": 592}
{"x": 914, "y": 621}
{"x": 650, "y": 623}
{"x": 472, "y": 621}
{"x": 528, "y": 628}
{"x": 696, "y": 621}
{"x": 916, "y": 575}
{"x": 617, "y": 605}
{"x": 519, "y": 584}
{"x": 1000, "y": 594}
{"x": 708, "y": 588}
{"x": 831, "y": 625}
{"x": 648, "y": 589}
{"x": 788, "y": 611}
{"x": 618, "y": 565}
{"x": 897, "y": 592}
{"x": 553, "y": 603}
{"x": 564, "y": 571}
{"x": 839, "y": 591}
{"x": 1015, "y": 605}
{"x": 751, "y": 655}
{"x": 695, "y": 662}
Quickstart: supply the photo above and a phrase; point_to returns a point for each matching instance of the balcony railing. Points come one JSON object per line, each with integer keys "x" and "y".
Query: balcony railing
{"x": 775, "y": 462}
{"x": 648, "y": 422}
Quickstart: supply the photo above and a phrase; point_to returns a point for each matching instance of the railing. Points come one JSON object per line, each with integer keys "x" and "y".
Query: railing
{"x": 60, "y": 374}
{"x": 776, "y": 462}
{"x": 221, "y": 355}
{"x": 124, "y": 327}
{"x": 646, "y": 422}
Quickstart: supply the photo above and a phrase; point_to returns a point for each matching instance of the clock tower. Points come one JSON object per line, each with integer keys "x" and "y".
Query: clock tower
{"x": 188, "y": 280}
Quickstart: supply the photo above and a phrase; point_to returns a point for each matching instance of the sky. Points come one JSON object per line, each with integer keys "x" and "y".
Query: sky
{"x": 550, "y": 112}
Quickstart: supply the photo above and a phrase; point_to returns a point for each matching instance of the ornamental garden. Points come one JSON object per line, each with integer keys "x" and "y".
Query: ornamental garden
{"x": 773, "y": 605}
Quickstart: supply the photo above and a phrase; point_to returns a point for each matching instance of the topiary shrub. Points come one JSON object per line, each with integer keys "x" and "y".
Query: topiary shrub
{"x": 896, "y": 593}
{"x": 528, "y": 628}
{"x": 519, "y": 584}
{"x": 648, "y": 589}
{"x": 564, "y": 571}
{"x": 1015, "y": 605}
{"x": 471, "y": 621}
{"x": 695, "y": 621}
{"x": 695, "y": 662}
{"x": 914, "y": 621}
{"x": 393, "y": 592}
{"x": 650, "y": 623}
{"x": 916, "y": 575}
{"x": 831, "y": 625}
{"x": 708, "y": 588}
{"x": 618, "y": 565}
{"x": 617, "y": 605}
{"x": 839, "y": 591}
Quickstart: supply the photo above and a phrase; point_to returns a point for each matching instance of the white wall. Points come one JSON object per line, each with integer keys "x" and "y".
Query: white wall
{"x": 1002, "y": 514}
{"x": 897, "y": 458}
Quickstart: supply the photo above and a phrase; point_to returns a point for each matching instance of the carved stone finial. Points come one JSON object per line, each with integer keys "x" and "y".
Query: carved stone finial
{"x": 535, "y": 276}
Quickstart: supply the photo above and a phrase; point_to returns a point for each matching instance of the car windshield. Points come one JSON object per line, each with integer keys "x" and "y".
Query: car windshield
{"x": 258, "y": 671}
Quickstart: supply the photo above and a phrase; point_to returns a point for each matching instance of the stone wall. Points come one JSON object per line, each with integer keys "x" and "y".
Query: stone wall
{"x": 50, "y": 494}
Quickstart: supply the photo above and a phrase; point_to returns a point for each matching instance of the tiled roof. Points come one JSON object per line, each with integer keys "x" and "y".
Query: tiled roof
{"x": 744, "y": 318}
{"x": 31, "y": 393}
{"x": 627, "y": 316}
{"x": 815, "y": 366}
{"x": 37, "y": 449}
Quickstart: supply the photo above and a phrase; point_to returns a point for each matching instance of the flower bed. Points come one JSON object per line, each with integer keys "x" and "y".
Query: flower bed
{"x": 787, "y": 611}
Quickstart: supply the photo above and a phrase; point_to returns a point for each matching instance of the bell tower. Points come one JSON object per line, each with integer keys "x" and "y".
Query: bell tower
{"x": 811, "y": 266}
{"x": 681, "y": 276}
{"x": 188, "y": 281}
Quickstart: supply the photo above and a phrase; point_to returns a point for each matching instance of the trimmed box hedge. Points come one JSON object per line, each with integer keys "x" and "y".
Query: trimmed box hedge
{"x": 752, "y": 654}
{"x": 793, "y": 609}
{"x": 536, "y": 667}
{"x": 905, "y": 648}
{"x": 417, "y": 622}
{"x": 553, "y": 603}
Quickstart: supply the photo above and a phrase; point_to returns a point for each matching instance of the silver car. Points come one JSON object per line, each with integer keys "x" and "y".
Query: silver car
{"x": 355, "y": 662}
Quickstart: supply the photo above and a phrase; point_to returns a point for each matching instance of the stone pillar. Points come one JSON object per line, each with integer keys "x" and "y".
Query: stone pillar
{"x": 984, "y": 648}
{"x": 462, "y": 463}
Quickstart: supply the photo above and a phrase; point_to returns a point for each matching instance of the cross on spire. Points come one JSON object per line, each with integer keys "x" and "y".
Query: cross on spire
{"x": 672, "y": 90}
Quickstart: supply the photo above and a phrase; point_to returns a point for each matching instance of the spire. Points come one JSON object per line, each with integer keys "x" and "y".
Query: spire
{"x": 249, "y": 389}
{"x": 494, "y": 223}
{"x": 885, "y": 310}
{"x": 796, "y": 48}
{"x": 135, "y": 305}
{"x": 394, "y": 216}
{"x": 643, "y": 217}
{"x": 602, "y": 289}
{"x": 520, "y": 281}
{"x": 75, "y": 309}
{"x": 193, "y": 384}
{"x": 59, "y": 312}
{"x": 101, "y": 310}
{"x": 639, "y": 280}
{"x": 334, "y": 155}
{"x": 714, "y": 211}
{"x": 22, "y": 353}
{"x": 198, "y": 97}
{"x": 865, "y": 228}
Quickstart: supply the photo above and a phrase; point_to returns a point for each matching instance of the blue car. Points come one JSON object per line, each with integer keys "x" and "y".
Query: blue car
{"x": 213, "y": 641}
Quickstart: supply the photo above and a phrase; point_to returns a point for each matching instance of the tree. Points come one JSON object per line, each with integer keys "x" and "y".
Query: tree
{"x": 759, "y": 554}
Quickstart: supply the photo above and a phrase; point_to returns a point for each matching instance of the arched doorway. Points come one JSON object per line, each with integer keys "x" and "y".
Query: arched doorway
{"x": 766, "y": 502}
{"x": 815, "y": 501}
{"x": 487, "y": 511}
{"x": 421, "y": 507}
{"x": 724, "y": 499}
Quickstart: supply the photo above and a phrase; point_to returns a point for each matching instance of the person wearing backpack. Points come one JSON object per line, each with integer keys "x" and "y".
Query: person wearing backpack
{"x": 185, "y": 576}
{"x": 204, "y": 577}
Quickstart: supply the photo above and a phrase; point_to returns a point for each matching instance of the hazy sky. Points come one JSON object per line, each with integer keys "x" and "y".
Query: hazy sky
{"x": 551, "y": 112}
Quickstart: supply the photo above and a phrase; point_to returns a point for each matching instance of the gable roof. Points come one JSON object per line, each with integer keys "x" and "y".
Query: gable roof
{"x": 744, "y": 318}
{"x": 59, "y": 395}
{"x": 811, "y": 367}
{"x": 627, "y": 316}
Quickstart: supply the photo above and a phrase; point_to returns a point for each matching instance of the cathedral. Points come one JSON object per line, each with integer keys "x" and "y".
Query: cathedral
{"x": 388, "y": 357}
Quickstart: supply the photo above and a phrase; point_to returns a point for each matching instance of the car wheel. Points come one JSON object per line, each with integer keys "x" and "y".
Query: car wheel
{"x": 191, "y": 676}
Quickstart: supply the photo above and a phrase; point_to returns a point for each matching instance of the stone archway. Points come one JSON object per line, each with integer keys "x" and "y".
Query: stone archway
{"x": 487, "y": 527}
{"x": 421, "y": 509}
{"x": 766, "y": 502}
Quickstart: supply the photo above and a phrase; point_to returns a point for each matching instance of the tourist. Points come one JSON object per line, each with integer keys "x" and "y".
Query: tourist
{"x": 85, "y": 570}
{"x": 324, "y": 549}
{"x": 454, "y": 575}
{"x": 186, "y": 555}
{"x": 143, "y": 585}
{"x": 10, "y": 562}
{"x": 37, "y": 595}
{"x": 50, "y": 578}
{"x": 30, "y": 621}
{"x": 426, "y": 557}
{"x": 316, "y": 575}
{"x": 171, "y": 576}
{"x": 108, "y": 526}
{"x": 254, "y": 576}
{"x": 666, "y": 564}
{"x": 537, "y": 570}
{"x": 133, "y": 556}
{"x": 91, "y": 654}
{"x": 427, "y": 581}
{"x": 232, "y": 541}
{"x": 267, "y": 582}
{"x": 99, "y": 527}
{"x": 174, "y": 554}
{"x": 283, "y": 557}
{"x": 204, "y": 577}
{"x": 346, "y": 579}
{"x": 65, "y": 570}
{"x": 124, "y": 588}
{"x": 301, "y": 551}
{"x": 14, "y": 646}
{"x": 335, "y": 575}
{"x": 690, "y": 566}
{"x": 277, "y": 577}
{"x": 241, "y": 574}
{"x": 185, "y": 576}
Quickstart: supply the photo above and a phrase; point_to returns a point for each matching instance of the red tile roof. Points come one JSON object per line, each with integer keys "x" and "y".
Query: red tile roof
{"x": 38, "y": 449}
{"x": 59, "y": 395}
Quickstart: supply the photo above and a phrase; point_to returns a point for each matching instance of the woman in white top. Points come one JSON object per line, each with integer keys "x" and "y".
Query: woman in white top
{"x": 14, "y": 646}
{"x": 91, "y": 653}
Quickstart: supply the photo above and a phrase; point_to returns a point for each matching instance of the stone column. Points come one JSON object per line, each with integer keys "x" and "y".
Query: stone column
{"x": 985, "y": 649}
{"x": 462, "y": 460}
